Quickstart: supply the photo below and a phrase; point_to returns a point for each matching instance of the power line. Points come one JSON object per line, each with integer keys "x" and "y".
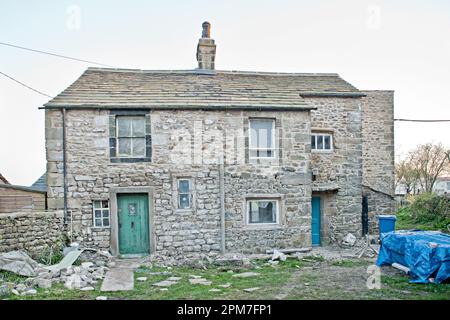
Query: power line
{"x": 419, "y": 120}
{"x": 26, "y": 86}
{"x": 55, "y": 55}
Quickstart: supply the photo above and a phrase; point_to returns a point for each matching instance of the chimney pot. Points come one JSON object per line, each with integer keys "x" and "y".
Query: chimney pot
{"x": 206, "y": 48}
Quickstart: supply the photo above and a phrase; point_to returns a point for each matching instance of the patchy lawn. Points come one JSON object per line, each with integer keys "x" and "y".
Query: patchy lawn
{"x": 311, "y": 278}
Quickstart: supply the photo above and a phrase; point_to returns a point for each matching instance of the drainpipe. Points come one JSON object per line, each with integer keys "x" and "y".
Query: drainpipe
{"x": 64, "y": 163}
{"x": 222, "y": 205}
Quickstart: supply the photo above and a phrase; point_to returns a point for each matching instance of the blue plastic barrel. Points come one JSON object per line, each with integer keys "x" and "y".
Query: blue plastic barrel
{"x": 386, "y": 223}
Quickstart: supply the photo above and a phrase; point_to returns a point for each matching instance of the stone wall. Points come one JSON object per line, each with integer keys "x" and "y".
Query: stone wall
{"x": 91, "y": 176}
{"x": 378, "y": 154}
{"x": 31, "y": 231}
{"x": 339, "y": 171}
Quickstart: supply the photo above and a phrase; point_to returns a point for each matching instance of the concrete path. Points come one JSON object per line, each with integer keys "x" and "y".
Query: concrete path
{"x": 121, "y": 277}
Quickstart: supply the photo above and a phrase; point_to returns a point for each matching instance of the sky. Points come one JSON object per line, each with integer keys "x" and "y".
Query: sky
{"x": 385, "y": 45}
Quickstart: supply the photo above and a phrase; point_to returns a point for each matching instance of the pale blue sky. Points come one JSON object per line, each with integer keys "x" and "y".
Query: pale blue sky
{"x": 398, "y": 45}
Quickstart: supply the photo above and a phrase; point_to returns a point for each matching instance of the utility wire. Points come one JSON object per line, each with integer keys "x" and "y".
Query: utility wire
{"x": 26, "y": 86}
{"x": 419, "y": 120}
{"x": 55, "y": 55}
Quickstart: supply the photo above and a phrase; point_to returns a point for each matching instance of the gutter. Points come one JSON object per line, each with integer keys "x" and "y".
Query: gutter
{"x": 222, "y": 205}
{"x": 333, "y": 94}
{"x": 299, "y": 107}
{"x": 63, "y": 112}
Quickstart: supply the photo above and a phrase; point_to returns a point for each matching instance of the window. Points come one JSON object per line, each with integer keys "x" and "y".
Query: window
{"x": 130, "y": 131}
{"x": 262, "y": 211}
{"x": 184, "y": 194}
{"x": 262, "y": 138}
{"x": 101, "y": 213}
{"x": 321, "y": 142}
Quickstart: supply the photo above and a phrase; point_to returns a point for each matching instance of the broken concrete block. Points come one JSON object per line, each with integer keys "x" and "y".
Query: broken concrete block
{"x": 200, "y": 281}
{"x": 142, "y": 279}
{"x": 349, "y": 240}
{"x": 101, "y": 298}
{"x": 73, "y": 282}
{"x": 31, "y": 292}
{"x": 164, "y": 283}
{"x": 43, "y": 283}
{"x": 87, "y": 289}
{"x": 246, "y": 274}
{"x": 278, "y": 255}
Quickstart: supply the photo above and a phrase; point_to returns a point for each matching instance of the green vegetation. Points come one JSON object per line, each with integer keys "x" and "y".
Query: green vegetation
{"x": 427, "y": 212}
{"x": 308, "y": 278}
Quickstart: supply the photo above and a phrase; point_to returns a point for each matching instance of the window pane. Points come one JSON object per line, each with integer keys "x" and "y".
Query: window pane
{"x": 124, "y": 126}
{"x": 98, "y": 222}
{"x": 105, "y": 213}
{"x": 262, "y": 211}
{"x": 313, "y": 142}
{"x": 98, "y": 213}
{"x": 183, "y": 186}
{"x": 125, "y": 146}
{"x": 106, "y": 222}
{"x": 138, "y": 127}
{"x": 139, "y": 147}
{"x": 104, "y": 203}
{"x": 327, "y": 142}
{"x": 96, "y": 204}
{"x": 261, "y": 133}
{"x": 319, "y": 142}
{"x": 184, "y": 201}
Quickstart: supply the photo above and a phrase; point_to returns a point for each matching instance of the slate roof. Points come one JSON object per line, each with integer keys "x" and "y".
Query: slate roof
{"x": 206, "y": 89}
{"x": 40, "y": 184}
{"x": 3, "y": 180}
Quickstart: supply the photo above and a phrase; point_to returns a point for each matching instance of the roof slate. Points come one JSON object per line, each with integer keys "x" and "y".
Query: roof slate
{"x": 124, "y": 88}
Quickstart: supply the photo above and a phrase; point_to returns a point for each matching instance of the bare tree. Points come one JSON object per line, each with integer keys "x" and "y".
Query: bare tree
{"x": 406, "y": 174}
{"x": 430, "y": 161}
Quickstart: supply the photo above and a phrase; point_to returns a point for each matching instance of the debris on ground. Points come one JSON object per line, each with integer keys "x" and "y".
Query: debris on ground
{"x": 164, "y": 283}
{"x": 251, "y": 289}
{"x": 246, "y": 274}
{"x": 278, "y": 255}
{"x": 101, "y": 298}
{"x": 141, "y": 279}
{"x": 290, "y": 250}
{"x": 18, "y": 262}
{"x": 349, "y": 240}
{"x": 200, "y": 281}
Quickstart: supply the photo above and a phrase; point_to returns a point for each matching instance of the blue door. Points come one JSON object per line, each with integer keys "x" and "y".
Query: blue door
{"x": 315, "y": 224}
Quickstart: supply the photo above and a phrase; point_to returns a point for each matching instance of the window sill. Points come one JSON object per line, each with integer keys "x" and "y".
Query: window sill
{"x": 322, "y": 151}
{"x": 129, "y": 160}
{"x": 263, "y": 226}
{"x": 101, "y": 228}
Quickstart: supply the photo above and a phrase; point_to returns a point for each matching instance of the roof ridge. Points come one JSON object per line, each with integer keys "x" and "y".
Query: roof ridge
{"x": 203, "y": 71}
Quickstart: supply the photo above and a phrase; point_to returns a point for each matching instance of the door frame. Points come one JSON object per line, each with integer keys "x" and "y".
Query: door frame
{"x": 114, "y": 242}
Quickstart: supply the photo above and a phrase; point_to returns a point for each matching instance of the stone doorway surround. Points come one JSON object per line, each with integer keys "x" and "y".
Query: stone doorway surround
{"x": 114, "y": 241}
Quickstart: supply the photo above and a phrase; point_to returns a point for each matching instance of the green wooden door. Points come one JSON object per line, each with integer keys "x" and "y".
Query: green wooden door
{"x": 315, "y": 224}
{"x": 133, "y": 223}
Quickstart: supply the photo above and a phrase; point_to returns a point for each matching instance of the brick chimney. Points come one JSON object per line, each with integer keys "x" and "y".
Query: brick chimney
{"x": 206, "y": 49}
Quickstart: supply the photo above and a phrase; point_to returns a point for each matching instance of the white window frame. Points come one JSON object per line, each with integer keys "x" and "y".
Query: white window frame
{"x": 132, "y": 156}
{"x": 247, "y": 213}
{"x": 179, "y": 193}
{"x": 315, "y": 134}
{"x": 273, "y": 149}
{"x": 102, "y": 209}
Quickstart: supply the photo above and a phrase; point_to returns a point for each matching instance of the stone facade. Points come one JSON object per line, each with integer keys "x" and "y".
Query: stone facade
{"x": 31, "y": 231}
{"x": 378, "y": 154}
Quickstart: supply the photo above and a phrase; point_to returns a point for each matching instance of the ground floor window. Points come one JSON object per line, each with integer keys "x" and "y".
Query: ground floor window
{"x": 101, "y": 213}
{"x": 184, "y": 194}
{"x": 261, "y": 211}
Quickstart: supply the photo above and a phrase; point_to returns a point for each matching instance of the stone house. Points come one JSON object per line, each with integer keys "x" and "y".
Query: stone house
{"x": 199, "y": 162}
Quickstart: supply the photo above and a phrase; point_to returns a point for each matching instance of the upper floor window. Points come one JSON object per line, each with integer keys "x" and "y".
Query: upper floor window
{"x": 321, "y": 142}
{"x": 130, "y": 134}
{"x": 262, "y": 138}
{"x": 184, "y": 194}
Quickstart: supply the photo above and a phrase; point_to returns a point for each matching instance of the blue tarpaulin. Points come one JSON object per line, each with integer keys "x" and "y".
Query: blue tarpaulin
{"x": 425, "y": 253}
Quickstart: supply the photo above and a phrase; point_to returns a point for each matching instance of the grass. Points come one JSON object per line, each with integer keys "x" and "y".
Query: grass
{"x": 312, "y": 278}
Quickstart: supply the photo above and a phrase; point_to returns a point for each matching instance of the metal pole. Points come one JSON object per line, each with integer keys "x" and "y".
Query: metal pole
{"x": 64, "y": 163}
{"x": 222, "y": 205}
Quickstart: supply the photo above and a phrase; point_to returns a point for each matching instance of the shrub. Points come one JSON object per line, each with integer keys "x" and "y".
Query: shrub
{"x": 430, "y": 208}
